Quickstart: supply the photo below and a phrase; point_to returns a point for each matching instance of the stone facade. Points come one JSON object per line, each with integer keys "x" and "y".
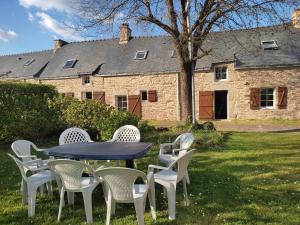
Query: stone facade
{"x": 238, "y": 86}
{"x": 165, "y": 84}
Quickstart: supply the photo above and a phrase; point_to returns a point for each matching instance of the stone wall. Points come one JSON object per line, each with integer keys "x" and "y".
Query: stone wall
{"x": 165, "y": 84}
{"x": 239, "y": 83}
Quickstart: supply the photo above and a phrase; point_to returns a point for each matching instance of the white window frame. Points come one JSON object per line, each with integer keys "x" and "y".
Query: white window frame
{"x": 117, "y": 103}
{"x": 274, "y": 98}
{"x": 84, "y": 80}
{"x": 217, "y": 67}
{"x": 141, "y": 94}
{"x": 145, "y": 56}
{"x": 84, "y": 95}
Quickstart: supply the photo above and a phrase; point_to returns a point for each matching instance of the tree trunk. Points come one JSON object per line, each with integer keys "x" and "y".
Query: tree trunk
{"x": 185, "y": 91}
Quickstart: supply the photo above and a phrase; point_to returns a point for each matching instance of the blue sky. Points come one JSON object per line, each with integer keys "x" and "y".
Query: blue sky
{"x": 31, "y": 25}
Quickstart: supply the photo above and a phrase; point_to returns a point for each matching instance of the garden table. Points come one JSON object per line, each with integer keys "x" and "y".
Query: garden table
{"x": 101, "y": 151}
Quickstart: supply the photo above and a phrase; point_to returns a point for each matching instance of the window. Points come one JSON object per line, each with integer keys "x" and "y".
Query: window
{"x": 86, "y": 80}
{"x": 267, "y": 97}
{"x": 122, "y": 103}
{"x": 70, "y": 63}
{"x": 221, "y": 73}
{"x": 29, "y": 62}
{"x": 144, "y": 95}
{"x": 140, "y": 55}
{"x": 269, "y": 45}
{"x": 87, "y": 95}
{"x": 174, "y": 54}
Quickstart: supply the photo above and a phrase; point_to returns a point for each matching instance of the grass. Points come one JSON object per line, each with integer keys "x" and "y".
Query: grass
{"x": 252, "y": 178}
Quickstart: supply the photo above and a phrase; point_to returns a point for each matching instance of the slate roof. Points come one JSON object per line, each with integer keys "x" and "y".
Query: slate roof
{"x": 108, "y": 57}
{"x": 13, "y": 66}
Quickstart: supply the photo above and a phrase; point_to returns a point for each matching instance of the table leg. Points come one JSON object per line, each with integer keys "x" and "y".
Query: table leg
{"x": 129, "y": 164}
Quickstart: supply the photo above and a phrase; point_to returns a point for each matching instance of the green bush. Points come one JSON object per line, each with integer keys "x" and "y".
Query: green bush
{"x": 97, "y": 119}
{"x": 25, "y": 113}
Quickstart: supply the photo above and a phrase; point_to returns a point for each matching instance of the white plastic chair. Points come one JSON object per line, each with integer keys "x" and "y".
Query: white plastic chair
{"x": 74, "y": 135}
{"x": 127, "y": 133}
{"x": 168, "y": 177}
{"x": 31, "y": 183}
{"x": 70, "y": 172}
{"x": 119, "y": 186}
{"x": 22, "y": 149}
{"x": 169, "y": 152}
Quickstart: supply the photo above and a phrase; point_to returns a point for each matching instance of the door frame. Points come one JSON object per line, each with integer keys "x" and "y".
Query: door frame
{"x": 214, "y": 104}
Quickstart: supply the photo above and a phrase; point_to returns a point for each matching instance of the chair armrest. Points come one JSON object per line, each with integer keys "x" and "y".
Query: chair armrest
{"x": 111, "y": 140}
{"x": 38, "y": 163}
{"x": 178, "y": 150}
{"x": 28, "y": 156}
{"x": 152, "y": 167}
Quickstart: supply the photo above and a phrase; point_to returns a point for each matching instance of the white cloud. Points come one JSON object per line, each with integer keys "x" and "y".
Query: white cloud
{"x": 6, "y": 36}
{"x": 31, "y": 17}
{"x": 60, "y": 30}
{"x": 59, "y": 5}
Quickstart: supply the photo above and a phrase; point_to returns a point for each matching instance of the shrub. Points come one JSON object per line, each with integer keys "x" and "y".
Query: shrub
{"x": 25, "y": 112}
{"x": 97, "y": 119}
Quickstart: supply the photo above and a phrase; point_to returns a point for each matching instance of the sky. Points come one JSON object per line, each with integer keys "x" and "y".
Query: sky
{"x": 32, "y": 25}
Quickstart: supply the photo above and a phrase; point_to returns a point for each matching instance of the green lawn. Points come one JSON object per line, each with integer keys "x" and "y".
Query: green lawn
{"x": 253, "y": 178}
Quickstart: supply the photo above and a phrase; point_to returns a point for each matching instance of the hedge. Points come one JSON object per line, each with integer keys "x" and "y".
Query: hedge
{"x": 24, "y": 111}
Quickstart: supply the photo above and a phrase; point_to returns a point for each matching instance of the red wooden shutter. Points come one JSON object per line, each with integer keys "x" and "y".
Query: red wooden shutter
{"x": 69, "y": 94}
{"x": 282, "y": 97}
{"x": 99, "y": 96}
{"x": 152, "y": 96}
{"x": 135, "y": 105}
{"x": 254, "y": 98}
{"x": 206, "y": 105}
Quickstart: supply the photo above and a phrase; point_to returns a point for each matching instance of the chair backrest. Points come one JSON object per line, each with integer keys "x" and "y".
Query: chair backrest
{"x": 22, "y": 167}
{"x": 70, "y": 172}
{"x": 21, "y": 148}
{"x": 182, "y": 163}
{"x": 120, "y": 181}
{"x": 73, "y": 135}
{"x": 127, "y": 133}
{"x": 185, "y": 140}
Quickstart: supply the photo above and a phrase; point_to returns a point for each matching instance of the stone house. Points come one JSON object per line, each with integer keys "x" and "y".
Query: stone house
{"x": 249, "y": 74}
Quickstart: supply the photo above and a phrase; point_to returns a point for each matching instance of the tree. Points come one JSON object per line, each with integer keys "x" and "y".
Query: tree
{"x": 188, "y": 22}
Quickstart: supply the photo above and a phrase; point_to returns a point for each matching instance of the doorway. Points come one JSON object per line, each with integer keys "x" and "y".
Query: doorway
{"x": 221, "y": 104}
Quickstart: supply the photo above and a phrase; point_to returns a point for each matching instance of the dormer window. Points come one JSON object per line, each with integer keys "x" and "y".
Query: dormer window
{"x": 174, "y": 54}
{"x": 70, "y": 63}
{"x": 140, "y": 55}
{"x": 28, "y": 62}
{"x": 269, "y": 45}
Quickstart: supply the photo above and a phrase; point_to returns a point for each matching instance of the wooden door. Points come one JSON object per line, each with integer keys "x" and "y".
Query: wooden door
{"x": 206, "y": 105}
{"x": 135, "y": 105}
{"x": 99, "y": 96}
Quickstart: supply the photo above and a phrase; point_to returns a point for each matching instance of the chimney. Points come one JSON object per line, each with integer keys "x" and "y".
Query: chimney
{"x": 296, "y": 18}
{"x": 125, "y": 33}
{"x": 59, "y": 43}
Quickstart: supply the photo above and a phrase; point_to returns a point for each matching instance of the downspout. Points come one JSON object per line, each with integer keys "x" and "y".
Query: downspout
{"x": 177, "y": 97}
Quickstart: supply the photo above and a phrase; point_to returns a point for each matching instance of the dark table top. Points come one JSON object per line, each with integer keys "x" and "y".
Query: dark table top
{"x": 101, "y": 150}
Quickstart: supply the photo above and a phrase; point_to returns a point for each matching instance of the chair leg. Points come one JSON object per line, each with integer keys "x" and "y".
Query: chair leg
{"x": 109, "y": 205}
{"x": 87, "y": 198}
{"x": 171, "y": 192}
{"x": 61, "y": 203}
{"x": 139, "y": 205}
{"x": 31, "y": 200}
{"x": 59, "y": 186}
{"x": 24, "y": 192}
{"x": 185, "y": 194}
{"x": 49, "y": 188}
{"x": 70, "y": 196}
{"x": 151, "y": 197}
{"x": 187, "y": 177}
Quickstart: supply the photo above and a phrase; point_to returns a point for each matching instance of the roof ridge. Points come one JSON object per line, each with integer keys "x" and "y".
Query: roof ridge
{"x": 27, "y": 53}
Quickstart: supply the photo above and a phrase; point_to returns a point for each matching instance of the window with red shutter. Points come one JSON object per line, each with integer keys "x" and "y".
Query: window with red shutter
{"x": 254, "y": 98}
{"x": 152, "y": 96}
